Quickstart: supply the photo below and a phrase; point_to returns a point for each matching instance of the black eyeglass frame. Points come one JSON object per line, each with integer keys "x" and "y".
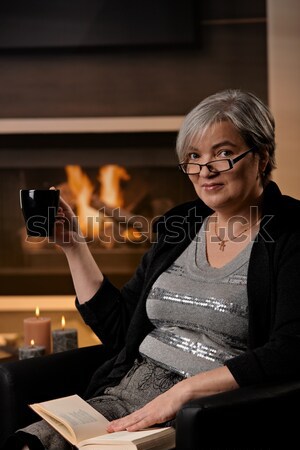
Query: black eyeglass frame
{"x": 231, "y": 163}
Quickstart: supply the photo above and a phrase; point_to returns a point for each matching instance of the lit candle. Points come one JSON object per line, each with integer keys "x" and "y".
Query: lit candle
{"x": 31, "y": 351}
{"x": 39, "y": 329}
{"x": 64, "y": 338}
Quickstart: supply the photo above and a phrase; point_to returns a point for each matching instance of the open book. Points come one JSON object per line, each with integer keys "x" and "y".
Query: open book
{"x": 83, "y": 426}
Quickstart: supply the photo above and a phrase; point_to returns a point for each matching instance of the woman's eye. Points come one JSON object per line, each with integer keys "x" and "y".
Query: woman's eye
{"x": 225, "y": 154}
{"x": 193, "y": 156}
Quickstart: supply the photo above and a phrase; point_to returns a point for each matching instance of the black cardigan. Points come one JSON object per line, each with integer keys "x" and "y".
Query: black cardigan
{"x": 119, "y": 317}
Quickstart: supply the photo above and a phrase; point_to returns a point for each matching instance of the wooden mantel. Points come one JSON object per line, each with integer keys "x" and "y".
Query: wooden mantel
{"x": 13, "y": 303}
{"x": 90, "y": 125}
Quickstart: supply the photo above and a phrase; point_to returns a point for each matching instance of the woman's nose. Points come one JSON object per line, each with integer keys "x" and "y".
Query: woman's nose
{"x": 205, "y": 173}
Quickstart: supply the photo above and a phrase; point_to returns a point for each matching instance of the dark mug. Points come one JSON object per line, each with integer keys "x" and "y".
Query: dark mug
{"x": 39, "y": 208}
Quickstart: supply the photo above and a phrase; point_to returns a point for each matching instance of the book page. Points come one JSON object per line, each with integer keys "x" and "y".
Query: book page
{"x": 78, "y": 420}
{"x": 124, "y": 438}
{"x": 64, "y": 429}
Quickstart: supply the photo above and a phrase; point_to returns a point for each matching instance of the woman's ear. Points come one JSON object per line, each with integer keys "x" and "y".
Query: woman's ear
{"x": 263, "y": 161}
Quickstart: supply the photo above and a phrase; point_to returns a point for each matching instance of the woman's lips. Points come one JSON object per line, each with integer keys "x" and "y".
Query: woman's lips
{"x": 212, "y": 186}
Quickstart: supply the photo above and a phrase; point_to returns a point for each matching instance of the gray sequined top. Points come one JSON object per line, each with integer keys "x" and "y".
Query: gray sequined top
{"x": 200, "y": 313}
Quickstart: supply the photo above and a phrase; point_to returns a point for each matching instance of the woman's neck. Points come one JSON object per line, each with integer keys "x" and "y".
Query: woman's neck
{"x": 248, "y": 215}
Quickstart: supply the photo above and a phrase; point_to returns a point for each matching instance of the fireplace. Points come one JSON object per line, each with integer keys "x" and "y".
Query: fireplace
{"x": 127, "y": 179}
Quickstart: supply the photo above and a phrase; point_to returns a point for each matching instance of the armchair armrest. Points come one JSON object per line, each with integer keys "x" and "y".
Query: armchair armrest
{"x": 43, "y": 378}
{"x": 255, "y": 417}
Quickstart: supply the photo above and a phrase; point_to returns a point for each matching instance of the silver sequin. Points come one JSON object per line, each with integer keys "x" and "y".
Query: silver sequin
{"x": 213, "y": 303}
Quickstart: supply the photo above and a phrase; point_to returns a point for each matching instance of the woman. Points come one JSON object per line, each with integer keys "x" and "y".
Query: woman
{"x": 213, "y": 305}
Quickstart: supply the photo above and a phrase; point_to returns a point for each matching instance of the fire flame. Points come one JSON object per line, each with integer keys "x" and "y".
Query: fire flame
{"x": 37, "y": 312}
{"x": 82, "y": 189}
{"x": 132, "y": 234}
{"x": 110, "y": 177}
{"x": 63, "y": 322}
{"x": 91, "y": 220}
{"x": 32, "y": 342}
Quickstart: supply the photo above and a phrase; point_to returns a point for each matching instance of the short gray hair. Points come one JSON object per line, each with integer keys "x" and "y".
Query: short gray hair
{"x": 250, "y": 116}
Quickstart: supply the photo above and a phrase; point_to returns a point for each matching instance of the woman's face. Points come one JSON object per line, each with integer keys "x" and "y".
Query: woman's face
{"x": 227, "y": 192}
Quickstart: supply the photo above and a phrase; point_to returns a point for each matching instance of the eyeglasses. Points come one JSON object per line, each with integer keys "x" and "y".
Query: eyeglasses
{"x": 216, "y": 166}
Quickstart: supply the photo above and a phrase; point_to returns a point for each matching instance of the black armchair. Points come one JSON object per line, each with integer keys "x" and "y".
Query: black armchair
{"x": 41, "y": 379}
{"x": 263, "y": 417}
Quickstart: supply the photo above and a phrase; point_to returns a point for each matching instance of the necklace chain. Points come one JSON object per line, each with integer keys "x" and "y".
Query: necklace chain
{"x": 222, "y": 243}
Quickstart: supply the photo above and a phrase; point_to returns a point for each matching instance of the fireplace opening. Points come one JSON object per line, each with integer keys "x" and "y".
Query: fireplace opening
{"x": 116, "y": 205}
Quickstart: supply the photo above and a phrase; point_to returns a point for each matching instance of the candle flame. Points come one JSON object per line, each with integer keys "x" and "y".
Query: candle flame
{"x": 32, "y": 342}
{"x": 37, "y": 312}
{"x": 63, "y": 322}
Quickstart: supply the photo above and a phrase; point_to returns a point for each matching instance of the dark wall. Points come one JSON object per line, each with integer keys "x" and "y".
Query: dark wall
{"x": 229, "y": 51}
